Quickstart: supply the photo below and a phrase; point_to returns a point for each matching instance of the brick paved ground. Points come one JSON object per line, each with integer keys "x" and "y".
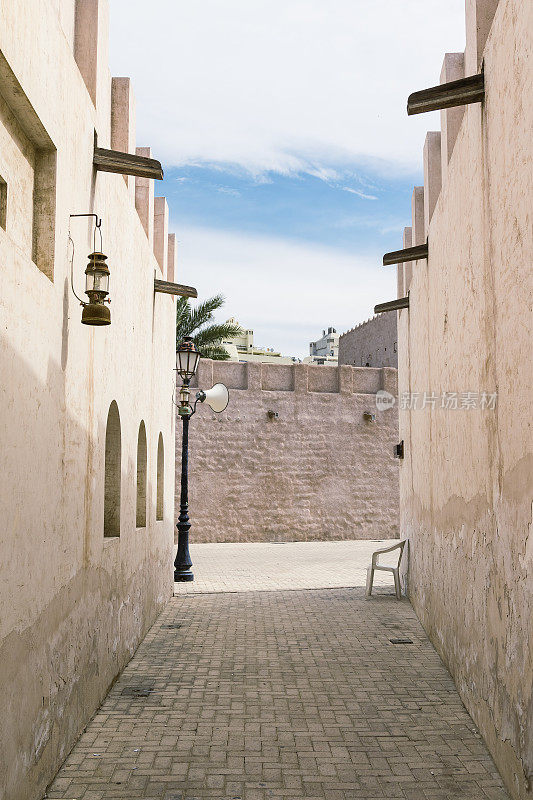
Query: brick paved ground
{"x": 263, "y": 567}
{"x": 278, "y": 695}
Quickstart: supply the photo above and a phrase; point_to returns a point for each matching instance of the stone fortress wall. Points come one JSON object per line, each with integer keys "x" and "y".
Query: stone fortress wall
{"x": 466, "y": 481}
{"x": 317, "y": 471}
{"x": 75, "y": 602}
{"x": 374, "y": 342}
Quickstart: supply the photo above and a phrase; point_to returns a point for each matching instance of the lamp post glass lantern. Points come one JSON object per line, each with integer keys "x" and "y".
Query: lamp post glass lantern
{"x": 187, "y": 359}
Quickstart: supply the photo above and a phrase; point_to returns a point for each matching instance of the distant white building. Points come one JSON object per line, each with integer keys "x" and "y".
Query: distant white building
{"x": 242, "y": 348}
{"x": 325, "y": 350}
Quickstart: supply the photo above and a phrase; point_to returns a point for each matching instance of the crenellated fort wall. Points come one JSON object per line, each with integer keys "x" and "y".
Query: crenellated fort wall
{"x": 318, "y": 470}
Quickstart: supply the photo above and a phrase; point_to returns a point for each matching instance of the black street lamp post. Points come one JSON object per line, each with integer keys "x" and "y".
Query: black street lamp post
{"x": 218, "y": 398}
{"x": 183, "y": 563}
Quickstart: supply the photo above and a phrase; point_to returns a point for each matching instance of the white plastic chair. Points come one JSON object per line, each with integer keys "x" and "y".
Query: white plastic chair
{"x": 395, "y": 570}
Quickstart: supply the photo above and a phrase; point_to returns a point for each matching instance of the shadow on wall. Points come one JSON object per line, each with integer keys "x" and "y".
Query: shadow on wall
{"x": 58, "y": 581}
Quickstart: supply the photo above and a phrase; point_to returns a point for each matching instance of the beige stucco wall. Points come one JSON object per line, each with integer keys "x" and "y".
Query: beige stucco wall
{"x": 73, "y": 605}
{"x": 466, "y": 483}
{"x": 317, "y": 471}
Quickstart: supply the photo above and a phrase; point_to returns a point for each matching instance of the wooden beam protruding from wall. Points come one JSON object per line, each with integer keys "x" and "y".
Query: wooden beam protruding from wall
{"x": 166, "y": 287}
{"x": 407, "y": 254}
{"x": 127, "y": 164}
{"x": 392, "y": 305}
{"x": 447, "y": 95}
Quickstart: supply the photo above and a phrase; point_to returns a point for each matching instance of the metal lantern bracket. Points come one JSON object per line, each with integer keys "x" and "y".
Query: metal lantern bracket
{"x": 201, "y": 397}
{"x": 193, "y": 408}
{"x": 399, "y": 450}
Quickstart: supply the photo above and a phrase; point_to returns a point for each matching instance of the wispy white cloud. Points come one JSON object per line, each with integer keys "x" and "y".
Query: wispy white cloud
{"x": 359, "y": 193}
{"x": 228, "y": 190}
{"x": 395, "y": 227}
{"x": 326, "y": 174}
{"x": 282, "y": 84}
{"x": 286, "y": 292}
{"x": 380, "y": 226}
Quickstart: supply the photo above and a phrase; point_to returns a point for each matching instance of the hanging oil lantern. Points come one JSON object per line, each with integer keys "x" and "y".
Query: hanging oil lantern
{"x": 96, "y": 312}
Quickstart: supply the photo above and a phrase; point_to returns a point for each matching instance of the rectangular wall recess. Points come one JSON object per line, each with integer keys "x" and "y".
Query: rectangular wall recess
{"x": 28, "y": 174}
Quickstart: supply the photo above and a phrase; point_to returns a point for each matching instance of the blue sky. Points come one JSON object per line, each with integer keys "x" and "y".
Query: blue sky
{"x": 289, "y": 158}
{"x": 348, "y": 209}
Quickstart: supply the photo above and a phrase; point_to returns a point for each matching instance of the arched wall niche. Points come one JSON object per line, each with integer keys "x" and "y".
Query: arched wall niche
{"x": 113, "y": 473}
{"x": 160, "y": 478}
{"x": 142, "y": 460}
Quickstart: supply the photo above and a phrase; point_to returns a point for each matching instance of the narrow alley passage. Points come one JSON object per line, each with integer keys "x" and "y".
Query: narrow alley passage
{"x": 267, "y": 695}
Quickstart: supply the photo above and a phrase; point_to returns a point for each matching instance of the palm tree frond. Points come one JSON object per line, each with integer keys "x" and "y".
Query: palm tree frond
{"x": 195, "y": 322}
{"x": 203, "y": 312}
{"x": 216, "y": 333}
{"x": 216, "y": 352}
{"x": 183, "y": 308}
{"x": 183, "y": 315}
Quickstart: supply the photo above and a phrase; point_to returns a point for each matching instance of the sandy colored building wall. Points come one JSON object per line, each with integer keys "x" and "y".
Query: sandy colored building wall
{"x": 317, "y": 471}
{"x": 74, "y": 606}
{"x": 466, "y": 482}
{"x": 373, "y": 342}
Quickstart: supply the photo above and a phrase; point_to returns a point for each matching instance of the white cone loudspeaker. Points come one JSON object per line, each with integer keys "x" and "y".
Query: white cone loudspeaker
{"x": 217, "y": 397}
